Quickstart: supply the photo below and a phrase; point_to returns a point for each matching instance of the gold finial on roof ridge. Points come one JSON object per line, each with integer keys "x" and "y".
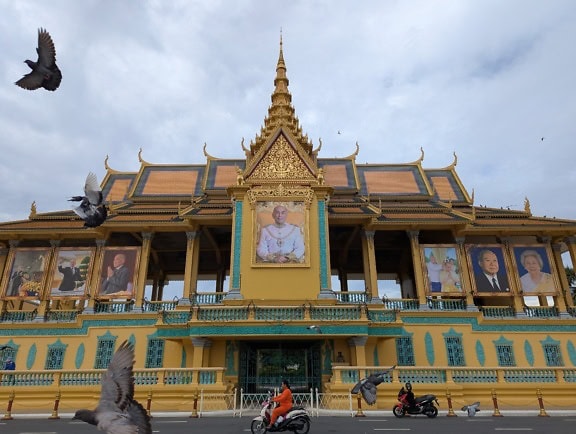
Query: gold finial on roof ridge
{"x": 527, "y": 206}
{"x": 455, "y": 162}
{"x": 106, "y": 163}
{"x": 32, "y": 210}
{"x": 206, "y": 154}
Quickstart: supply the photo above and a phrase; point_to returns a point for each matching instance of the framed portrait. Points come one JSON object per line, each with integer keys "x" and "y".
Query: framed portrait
{"x": 27, "y": 271}
{"x": 535, "y": 274}
{"x": 70, "y": 272}
{"x": 488, "y": 266}
{"x": 280, "y": 234}
{"x": 119, "y": 272}
{"x": 442, "y": 268}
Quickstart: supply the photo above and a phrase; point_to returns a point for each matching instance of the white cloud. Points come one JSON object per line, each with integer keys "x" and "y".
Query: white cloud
{"x": 483, "y": 79}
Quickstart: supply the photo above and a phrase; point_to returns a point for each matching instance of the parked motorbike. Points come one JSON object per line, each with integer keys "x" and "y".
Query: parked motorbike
{"x": 296, "y": 420}
{"x": 423, "y": 405}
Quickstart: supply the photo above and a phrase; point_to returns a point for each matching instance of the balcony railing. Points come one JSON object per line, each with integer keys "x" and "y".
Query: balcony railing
{"x": 92, "y": 377}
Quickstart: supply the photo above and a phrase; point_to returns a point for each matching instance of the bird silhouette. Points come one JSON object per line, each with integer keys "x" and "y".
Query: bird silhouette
{"x": 472, "y": 409}
{"x": 92, "y": 208}
{"x": 45, "y": 72}
{"x": 117, "y": 411}
{"x": 367, "y": 386}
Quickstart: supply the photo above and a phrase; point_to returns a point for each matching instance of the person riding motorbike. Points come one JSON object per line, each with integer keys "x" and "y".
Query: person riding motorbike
{"x": 409, "y": 395}
{"x": 284, "y": 401}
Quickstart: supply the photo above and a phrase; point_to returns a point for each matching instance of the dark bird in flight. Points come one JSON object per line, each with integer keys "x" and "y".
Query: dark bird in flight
{"x": 472, "y": 409}
{"x": 45, "y": 72}
{"x": 367, "y": 386}
{"x": 117, "y": 411}
{"x": 92, "y": 208}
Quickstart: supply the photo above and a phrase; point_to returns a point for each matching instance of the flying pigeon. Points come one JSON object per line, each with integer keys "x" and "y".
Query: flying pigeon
{"x": 92, "y": 208}
{"x": 472, "y": 409}
{"x": 117, "y": 411}
{"x": 367, "y": 386}
{"x": 315, "y": 328}
{"x": 44, "y": 73}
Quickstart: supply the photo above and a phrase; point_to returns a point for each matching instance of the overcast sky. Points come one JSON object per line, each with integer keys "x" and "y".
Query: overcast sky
{"x": 484, "y": 79}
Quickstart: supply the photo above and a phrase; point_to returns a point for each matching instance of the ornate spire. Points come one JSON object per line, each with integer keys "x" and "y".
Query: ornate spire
{"x": 281, "y": 112}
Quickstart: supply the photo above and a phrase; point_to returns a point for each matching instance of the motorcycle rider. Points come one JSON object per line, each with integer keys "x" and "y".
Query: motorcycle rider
{"x": 284, "y": 401}
{"x": 410, "y": 399}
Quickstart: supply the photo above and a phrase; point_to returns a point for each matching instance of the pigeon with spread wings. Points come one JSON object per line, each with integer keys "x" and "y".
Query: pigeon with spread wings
{"x": 472, "y": 409}
{"x": 45, "y": 72}
{"x": 367, "y": 386}
{"x": 92, "y": 208}
{"x": 117, "y": 411}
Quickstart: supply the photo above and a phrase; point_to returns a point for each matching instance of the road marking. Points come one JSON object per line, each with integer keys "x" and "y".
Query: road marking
{"x": 172, "y": 421}
{"x": 512, "y": 429}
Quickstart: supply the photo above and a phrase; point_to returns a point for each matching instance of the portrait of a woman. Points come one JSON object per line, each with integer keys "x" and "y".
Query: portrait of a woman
{"x": 535, "y": 279}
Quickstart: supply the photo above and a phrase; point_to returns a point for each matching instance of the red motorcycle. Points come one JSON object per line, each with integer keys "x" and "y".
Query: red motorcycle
{"x": 422, "y": 405}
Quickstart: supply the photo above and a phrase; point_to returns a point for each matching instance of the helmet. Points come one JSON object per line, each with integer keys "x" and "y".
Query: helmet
{"x": 408, "y": 386}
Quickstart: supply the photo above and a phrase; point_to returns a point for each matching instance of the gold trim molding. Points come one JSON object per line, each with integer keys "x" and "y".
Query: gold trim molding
{"x": 280, "y": 191}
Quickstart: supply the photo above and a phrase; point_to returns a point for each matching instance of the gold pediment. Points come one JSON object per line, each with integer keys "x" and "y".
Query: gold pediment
{"x": 281, "y": 162}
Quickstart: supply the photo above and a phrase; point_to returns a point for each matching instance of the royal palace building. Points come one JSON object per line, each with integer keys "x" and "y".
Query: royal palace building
{"x": 280, "y": 259}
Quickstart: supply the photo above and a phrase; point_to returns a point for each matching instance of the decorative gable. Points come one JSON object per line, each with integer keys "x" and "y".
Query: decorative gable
{"x": 281, "y": 162}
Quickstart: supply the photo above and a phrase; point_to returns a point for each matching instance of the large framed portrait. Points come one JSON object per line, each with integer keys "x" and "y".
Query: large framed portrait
{"x": 280, "y": 234}
{"x": 27, "y": 271}
{"x": 535, "y": 274}
{"x": 119, "y": 272}
{"x": 70, "y": 272}
{"x": 442, "y": 267}
{"x": 488, "y": 265}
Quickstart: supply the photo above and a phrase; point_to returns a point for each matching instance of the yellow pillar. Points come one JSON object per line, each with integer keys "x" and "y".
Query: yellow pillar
{"x": 201, "y": 351}
{"x": 518, "y": 299}
{"x": 571, "y": 243}
{"x": 4, "y": 274}
{"x": 94, "y": 278}
{"x": 418, "y": 270}
{"x": 465, "y": 275}
{"x": 142, "y": 270}
{"x": 191, "y": 270}
{"x": 565, "y": 297}
{"x": 370, "y": 272}
{"x": 358, "y": 347}
{"x": 45, "y": 292}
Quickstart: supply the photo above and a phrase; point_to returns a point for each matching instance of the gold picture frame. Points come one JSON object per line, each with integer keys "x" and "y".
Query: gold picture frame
{"x": 442, "y": 267}
{"x": 118, "y": 273}
{"x": 489, "y": 260}
{"x": 534, "y": 271}
{"x": 71, "y": 272}
{"x": 27, "y": 275}
{"x": 281, "y": 234}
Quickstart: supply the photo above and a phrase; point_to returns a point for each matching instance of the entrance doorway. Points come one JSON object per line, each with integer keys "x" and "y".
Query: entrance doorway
{"x": 264, "y": 364}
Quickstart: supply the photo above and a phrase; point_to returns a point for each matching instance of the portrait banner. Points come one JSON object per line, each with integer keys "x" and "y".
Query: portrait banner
{"x": 443, "y": 270}
{"x": 119, "y": 272}
{"x": 280, "y": 234}
{"x": 27, "y": 271}
{"x": 535, "y": 274}
{"x": 70, "y": 272}
{"x": 488, "y": 266}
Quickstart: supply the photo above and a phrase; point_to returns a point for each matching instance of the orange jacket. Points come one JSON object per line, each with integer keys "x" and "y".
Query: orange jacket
{"x": 284, "y": 399}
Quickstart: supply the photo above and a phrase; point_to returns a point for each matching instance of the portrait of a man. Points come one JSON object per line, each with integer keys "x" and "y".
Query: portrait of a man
{"x": 280, "y": 233}
{"x": 534, "y": 270}
{"x": 70, "y": 272}
{"x": 442, "y": 269}
{"x": 118, "y": 273}
{"x": 489, "y": 269}
{"x": 27, "y": 269}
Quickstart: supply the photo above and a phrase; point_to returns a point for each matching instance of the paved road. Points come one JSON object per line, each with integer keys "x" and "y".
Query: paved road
{"x": 557, "y": 424}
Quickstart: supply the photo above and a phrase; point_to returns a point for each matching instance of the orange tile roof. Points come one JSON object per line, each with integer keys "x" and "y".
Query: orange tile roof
{"x": 173, "y": 182}
{"x": 391, "y": 182}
